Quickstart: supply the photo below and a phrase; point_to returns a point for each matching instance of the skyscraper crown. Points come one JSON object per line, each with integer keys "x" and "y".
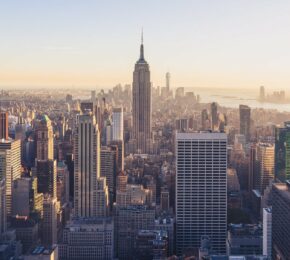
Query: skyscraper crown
{"x": 141, "y": 58}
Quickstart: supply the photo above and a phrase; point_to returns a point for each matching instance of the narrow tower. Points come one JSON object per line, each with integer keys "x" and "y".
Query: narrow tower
{"x": 142, "y": 103}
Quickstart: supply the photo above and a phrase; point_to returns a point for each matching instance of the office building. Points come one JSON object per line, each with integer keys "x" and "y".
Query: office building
{"x": 131, "y": 220}
{"x": 3, "y": 216}
{"x": 86, "y": 166}
{"x": 267, "y": 232}
{"x": 141, "y": 107}
{"x": 151, "y": 244}
{"x": 25, "y": 197}
{"x": 118, "y": 123}
{"x": 87, "y": 107}
{"x": 49, "y": 222}
{"x": 245, "y": 121}
{"x": 102, "y": 197}
{"x": 181, "y": 124}
{"x": 88, "y": 238}
{"x": 62, "y": 183}
{"x": 109, "y": 169}
{"x": 282, "y": 152}
{"x": 45, "y": 169}
{"x": 201, "y": 190}
{"x": 20, "y": 197}
{"x": 118, "y": 146}
{"x": 167, "y": 224}
{"x": 233, "y": 189}
{"x": 26, "y": 231}
{"x": 205, "y": 122}
{"x": 134, "y": 195}
{"x": 265, "y": 157}
{"x": 10, "y": 167}
{"x": 44, "y": 139}
{"x": 46, "y": 173}
{"x": 253, "y": 182}
{"x": 214, "y": 117}
{"x": 245, "y": 239}
{"x": 281, "y": 221}
{"x": 164, "y": 199}
{"x": 3, "y": 125}
{"x": 122, "y": 180}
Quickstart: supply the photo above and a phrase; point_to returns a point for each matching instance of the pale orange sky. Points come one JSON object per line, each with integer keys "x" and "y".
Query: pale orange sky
{"x": 228, "y": 44}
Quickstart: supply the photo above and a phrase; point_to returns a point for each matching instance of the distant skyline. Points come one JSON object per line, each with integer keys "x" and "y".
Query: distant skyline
{"x": 222, "y": 44}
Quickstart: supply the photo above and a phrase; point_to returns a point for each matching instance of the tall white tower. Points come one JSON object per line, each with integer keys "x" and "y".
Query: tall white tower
{"x": 267, "y": 232}
{"x": 201, "y": 190}
{"x": 118, "y": 124}
{"x": 86, "y": 165}
{"x": 10, "y": 167}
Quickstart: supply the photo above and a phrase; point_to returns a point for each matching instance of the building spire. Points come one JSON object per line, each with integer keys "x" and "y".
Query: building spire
{"x": 141, "y": 47}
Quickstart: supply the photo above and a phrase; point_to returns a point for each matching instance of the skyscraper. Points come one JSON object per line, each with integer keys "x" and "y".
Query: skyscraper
{"x": 253, "y": 182}
{"x": 3, "y": 125}
{"x": 131, "y": 219}
{"x": 3, "y": 216}
{"x": 118, "y": 146}
{"x": 204, "y": 120}
{"x": 281, "y": 221}
{"x": 214, "y": 116}
{"x": 245, "y": 121}
{"x": 265, "y": 157}
{"x": 46, "y": 172}
{"x": 49, "y": 225}
{"x": 44, "y": 139}
{"x": 141, "y": 109}
{"x": 45, "y": 169}
{"x": 10, "y": 167}
{"x": 282, "y": 152}
{"x": 86, "y": 165}
{"x": 118, "y": 124}
{"x": 167, "y": 82}
{"x": 201, "y": 190}
{"x": 267, "y": 232}
{"x": 102, "y": 198}
{"x": 109, "y": 170}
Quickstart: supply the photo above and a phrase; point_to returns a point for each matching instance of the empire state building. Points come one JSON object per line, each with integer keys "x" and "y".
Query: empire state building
{"x": 142, "y": 104}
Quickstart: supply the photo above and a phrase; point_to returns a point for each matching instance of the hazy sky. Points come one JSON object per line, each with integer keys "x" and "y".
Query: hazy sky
{"x": 205, "y": 43}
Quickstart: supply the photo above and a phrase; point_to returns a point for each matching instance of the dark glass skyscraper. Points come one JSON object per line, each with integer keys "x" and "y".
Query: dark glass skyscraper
{"x": 4, "y": 125}
{"x": 282, "y": 152}
{"x": 281, "y": 221}
{"x": 245, "y": 121}
{"x": 142, "y": 104}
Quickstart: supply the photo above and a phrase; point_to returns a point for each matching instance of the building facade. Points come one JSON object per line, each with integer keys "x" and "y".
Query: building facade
{"x": 281, "y": 221}
{"x": 86, "y": 166}
{"x": 245, "y": 121}
{"x": 3, "y": 216}
{"x": 88, "y": 238}
{"x": 10, "y": 167}
{"x": 118, "y": 123}
{"x": 201, "y": 190}
{"x": 265, "y": 157}
{"x": 141, "y": 108}
{"x": 267, "y": 232}
{"x": 131, "y": 219}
